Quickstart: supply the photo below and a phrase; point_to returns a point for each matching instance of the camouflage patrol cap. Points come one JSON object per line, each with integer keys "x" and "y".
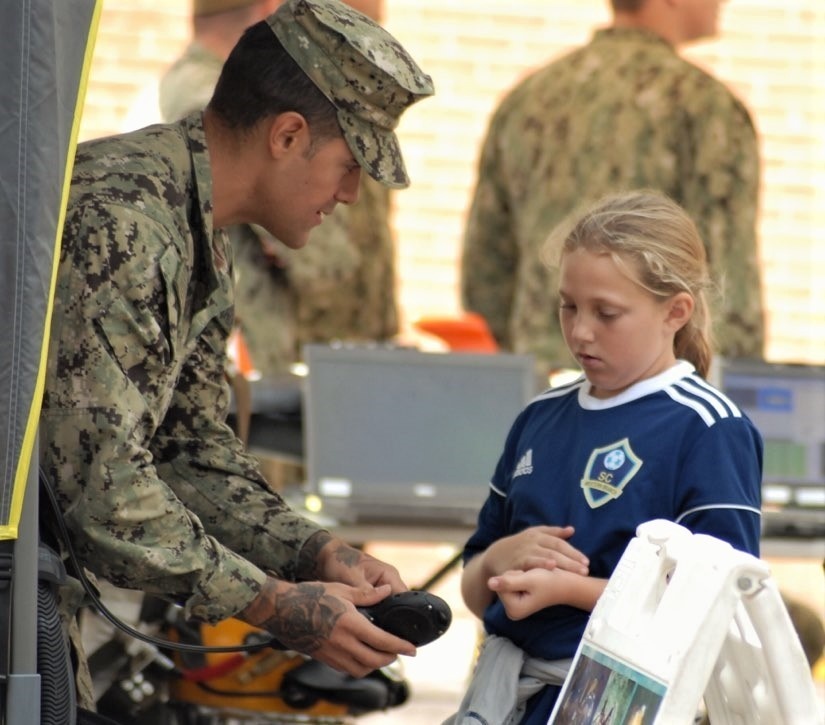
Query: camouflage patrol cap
{"x": 362, "y": 70}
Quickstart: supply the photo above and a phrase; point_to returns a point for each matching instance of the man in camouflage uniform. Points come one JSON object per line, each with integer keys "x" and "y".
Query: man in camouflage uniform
{"x": 157, "y": 492}
{"x": 343, "y": 285}
{"x": 624, "y": 111}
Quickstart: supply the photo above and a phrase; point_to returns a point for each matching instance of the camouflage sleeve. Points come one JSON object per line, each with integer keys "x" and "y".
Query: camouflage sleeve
{"x": 127, "y": 525}
{"x": 206, "y": 466}
{"x": 721, "y": 193}
{"x": 490, "y": 254}
{"x": 112, "y": 356}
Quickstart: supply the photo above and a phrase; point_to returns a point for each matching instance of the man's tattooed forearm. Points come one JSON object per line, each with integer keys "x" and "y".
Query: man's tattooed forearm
{"x": 303, "y": 617}
{"x": 309, "y": 567}
{"x": 347, "y": 555}
{"x": 308, "y": 558}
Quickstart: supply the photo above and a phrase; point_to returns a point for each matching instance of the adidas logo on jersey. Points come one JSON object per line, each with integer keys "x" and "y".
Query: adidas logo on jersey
{"x": 525, "y": 464}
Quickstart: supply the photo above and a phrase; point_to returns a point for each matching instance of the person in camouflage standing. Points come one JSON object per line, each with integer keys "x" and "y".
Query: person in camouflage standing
{"x": 157, "y": 492}
{"x": 624, "y": 111}
{"x": 342, "y": 286}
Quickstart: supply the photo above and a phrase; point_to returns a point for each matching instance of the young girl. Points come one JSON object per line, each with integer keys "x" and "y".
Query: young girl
{"x": 641, "y": 435}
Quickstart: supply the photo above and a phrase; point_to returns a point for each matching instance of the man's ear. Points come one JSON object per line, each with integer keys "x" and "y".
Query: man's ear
{"x": 285, "y": 131}
{"x": 680, "y": 309}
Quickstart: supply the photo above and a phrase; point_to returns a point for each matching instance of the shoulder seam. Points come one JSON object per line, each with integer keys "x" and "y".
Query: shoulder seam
{"x": 707, "y": 402}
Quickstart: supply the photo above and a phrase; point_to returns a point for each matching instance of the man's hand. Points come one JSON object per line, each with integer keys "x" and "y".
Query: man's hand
{"x": 320, "y": 620}
{"x": 327, "y": 558}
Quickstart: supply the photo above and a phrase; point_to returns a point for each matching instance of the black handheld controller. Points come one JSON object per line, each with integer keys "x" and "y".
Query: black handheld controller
{"x": 417, "y": 616}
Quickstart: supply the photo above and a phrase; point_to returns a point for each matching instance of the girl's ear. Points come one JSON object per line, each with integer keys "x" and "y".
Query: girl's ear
{"x": 680, "y": 309}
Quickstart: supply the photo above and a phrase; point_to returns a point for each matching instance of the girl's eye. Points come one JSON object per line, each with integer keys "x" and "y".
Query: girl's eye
{"x": 608, "y": 314}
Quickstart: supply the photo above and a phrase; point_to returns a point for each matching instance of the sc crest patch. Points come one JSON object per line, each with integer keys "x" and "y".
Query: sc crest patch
{"x": 608, "y": 471}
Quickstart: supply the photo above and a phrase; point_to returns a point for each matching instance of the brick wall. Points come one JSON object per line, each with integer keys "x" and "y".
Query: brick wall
{"x": 771, "y": 53}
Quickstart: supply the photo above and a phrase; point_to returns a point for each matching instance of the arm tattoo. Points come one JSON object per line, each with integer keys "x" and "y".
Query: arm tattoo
{"x": 347, "y": 555}
{"x": 309, "y": 556}
{"x": 303, "y": 617}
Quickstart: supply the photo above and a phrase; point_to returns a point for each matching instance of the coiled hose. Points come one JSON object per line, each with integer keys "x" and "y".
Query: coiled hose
{"x": 58, "y": 703}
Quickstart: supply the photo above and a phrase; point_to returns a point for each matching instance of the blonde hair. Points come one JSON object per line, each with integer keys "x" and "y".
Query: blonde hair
{"x": 655, "y": 241}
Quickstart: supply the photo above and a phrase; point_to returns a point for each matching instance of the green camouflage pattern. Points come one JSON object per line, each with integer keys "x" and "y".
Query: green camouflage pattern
{"x": 340, "y": 286}
{"x": 344, "y": 281}
{"x": 622, "y": 112}
{"x": 365, "y": 73}
{"x": 158, "y": 493}
{"x": 188, "y": 83}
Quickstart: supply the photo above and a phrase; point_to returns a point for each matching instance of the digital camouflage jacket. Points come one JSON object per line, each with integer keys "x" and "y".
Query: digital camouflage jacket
{"x": 625, "y": 111}
{"x": 156, "y": 490}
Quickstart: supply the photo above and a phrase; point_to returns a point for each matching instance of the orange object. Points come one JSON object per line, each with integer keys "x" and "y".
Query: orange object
{"x": 468, "y": 332}
{"x": 245, "y": 683}
{"x": 239, "y": 354}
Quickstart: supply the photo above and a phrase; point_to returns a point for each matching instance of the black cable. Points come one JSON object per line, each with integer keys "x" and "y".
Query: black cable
{"x": 121, "y": 625}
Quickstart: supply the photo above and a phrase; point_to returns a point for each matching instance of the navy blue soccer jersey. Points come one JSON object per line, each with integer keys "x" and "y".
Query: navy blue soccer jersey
{"x": 670, "y": 447}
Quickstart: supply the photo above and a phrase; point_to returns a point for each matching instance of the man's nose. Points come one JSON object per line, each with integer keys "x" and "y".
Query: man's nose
{"x": 350, "y": 186}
